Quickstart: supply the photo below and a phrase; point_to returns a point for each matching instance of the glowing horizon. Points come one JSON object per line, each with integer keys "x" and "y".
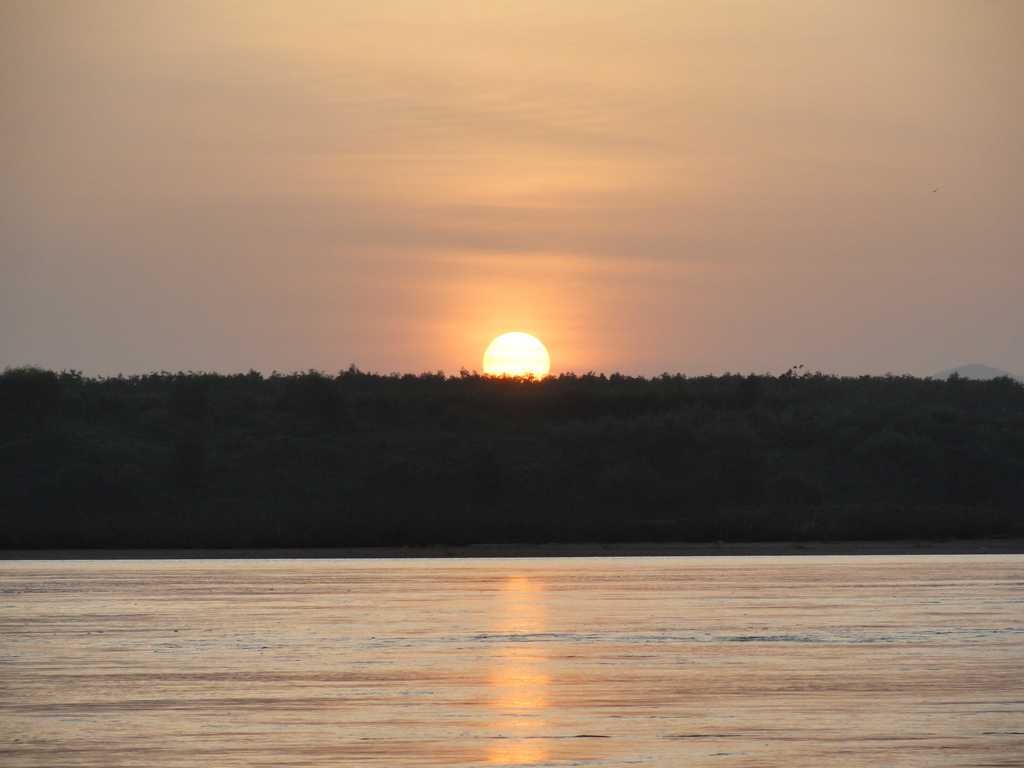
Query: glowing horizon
{"x": 647, "y": 186}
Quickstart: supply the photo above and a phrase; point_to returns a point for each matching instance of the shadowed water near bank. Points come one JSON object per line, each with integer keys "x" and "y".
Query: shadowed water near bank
{"x": 725, "y": 661}
{"x": 1009, "y": 546}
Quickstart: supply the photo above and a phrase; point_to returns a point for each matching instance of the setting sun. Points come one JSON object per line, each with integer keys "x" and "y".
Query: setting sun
{"x": 517, "y": 354}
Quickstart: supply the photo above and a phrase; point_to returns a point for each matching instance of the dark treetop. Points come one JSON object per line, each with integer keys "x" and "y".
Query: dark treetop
{"x": 204, "y": 460}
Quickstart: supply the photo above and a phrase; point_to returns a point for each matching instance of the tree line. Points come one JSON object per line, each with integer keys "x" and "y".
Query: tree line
{"x": 310, "y": 459}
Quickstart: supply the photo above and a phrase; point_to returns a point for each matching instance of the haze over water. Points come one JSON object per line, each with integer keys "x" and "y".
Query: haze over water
{"x": 794, "y": 661}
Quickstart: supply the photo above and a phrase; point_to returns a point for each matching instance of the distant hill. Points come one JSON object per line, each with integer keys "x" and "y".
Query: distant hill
{"x": 975, "y": 371}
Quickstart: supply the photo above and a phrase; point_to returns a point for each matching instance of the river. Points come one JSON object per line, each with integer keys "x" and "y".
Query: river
{"x": 627, "y": 661}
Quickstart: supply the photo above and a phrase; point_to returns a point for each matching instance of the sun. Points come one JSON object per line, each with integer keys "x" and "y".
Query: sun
{"x": 517, "y": 354}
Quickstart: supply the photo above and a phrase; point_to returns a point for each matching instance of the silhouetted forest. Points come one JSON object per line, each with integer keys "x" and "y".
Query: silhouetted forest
{"x": 204, "y": 460}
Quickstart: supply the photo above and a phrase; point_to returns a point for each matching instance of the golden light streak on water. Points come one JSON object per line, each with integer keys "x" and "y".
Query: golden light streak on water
{"x": 519, "y": 682}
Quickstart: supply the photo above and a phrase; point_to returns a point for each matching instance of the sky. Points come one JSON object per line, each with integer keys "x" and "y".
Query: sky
{"x": 645, "y": 186}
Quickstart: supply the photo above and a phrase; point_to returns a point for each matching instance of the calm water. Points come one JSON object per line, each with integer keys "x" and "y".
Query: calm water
{"x": 771, "y": 661}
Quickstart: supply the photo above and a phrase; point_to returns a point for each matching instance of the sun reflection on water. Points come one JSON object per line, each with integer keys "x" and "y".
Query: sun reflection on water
{"x": 519, "y": 682}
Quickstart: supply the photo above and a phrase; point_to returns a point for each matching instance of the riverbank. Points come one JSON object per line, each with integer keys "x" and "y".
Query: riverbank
{"x": 1014, "y": 546}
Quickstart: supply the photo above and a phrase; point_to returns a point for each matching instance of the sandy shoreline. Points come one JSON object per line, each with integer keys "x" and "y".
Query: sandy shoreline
{"x": 638, "y": 549}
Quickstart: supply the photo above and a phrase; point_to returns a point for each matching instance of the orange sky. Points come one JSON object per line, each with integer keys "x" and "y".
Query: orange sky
{"x": 646, "y": 186}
